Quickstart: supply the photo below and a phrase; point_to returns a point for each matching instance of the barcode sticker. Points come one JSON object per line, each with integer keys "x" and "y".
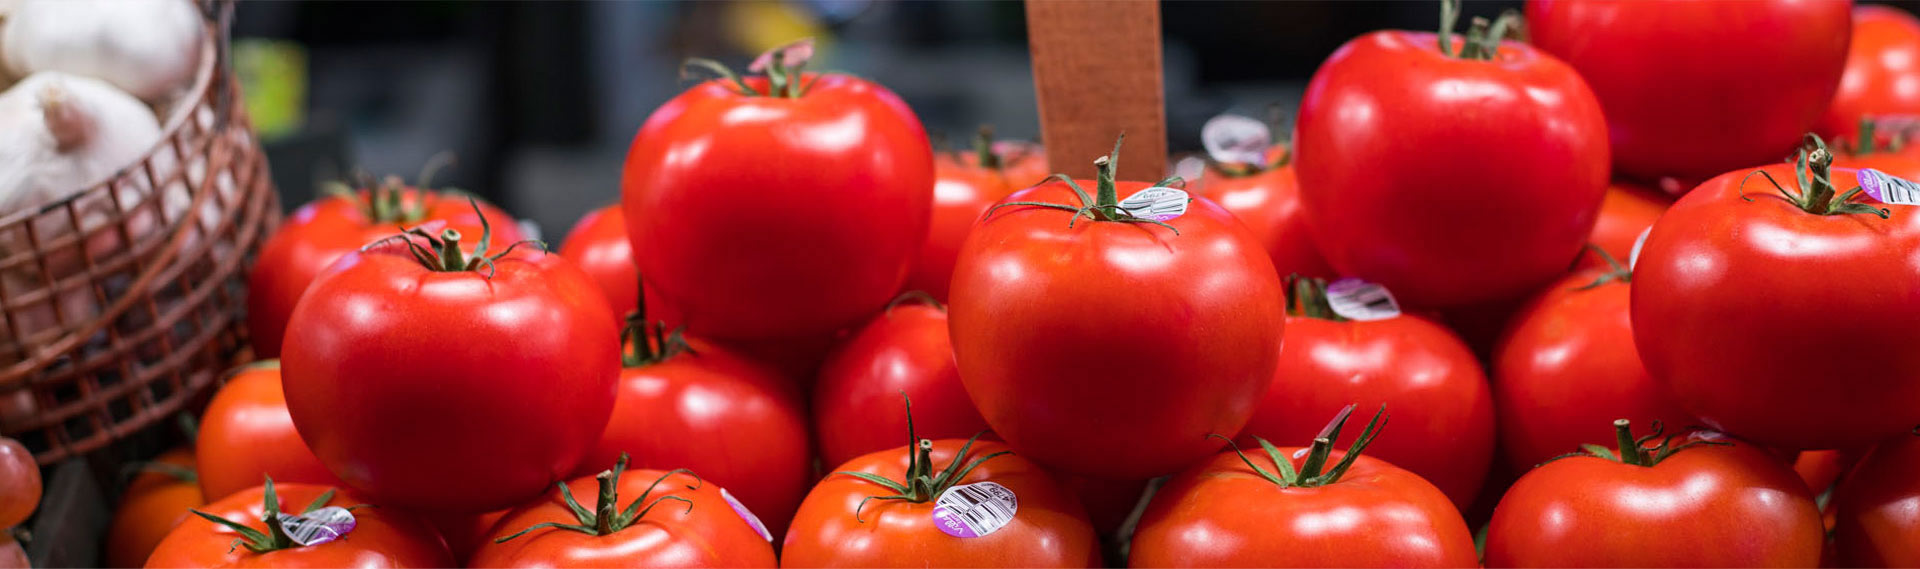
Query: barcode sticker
{"x": 1234, "y": 139}
{"x": 1633, "y": 258}
{"x": 1887, "y": 188}
{"x": 1158, "y": 203}
{"x": 1355, "y": 299}
{"x": 318, "y": 526}
{"x": 974, "y": 510}
{"x": 753, "y": 521}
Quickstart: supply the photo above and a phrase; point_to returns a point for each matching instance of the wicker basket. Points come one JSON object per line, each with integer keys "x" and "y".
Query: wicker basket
{"x": 121, "y": 305}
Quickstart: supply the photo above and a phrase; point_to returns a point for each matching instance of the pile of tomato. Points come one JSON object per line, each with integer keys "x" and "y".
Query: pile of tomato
{"x": 1641, "y": 290}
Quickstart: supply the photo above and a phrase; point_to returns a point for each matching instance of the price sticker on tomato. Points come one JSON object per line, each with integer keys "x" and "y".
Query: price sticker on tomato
{"x": 1355, "y": 299}
{"x": 1234, "y": 139}
{"x": 974, "y": 510}
{"x": 1888, "y": 189}
{"x": 753, "y": 521}
{"x": 1158, "y": 203}
{"x": 1639, "y": 242}
{"x": 318, "y": 526}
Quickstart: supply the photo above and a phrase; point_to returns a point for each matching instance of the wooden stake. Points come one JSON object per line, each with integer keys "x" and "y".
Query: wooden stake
{"x": 1096, "y": 70}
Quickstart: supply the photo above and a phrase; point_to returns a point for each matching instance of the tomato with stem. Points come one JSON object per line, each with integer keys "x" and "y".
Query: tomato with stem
{"x": 963, "y": 187}
{"x": 246, "y": 433}
{"x": 249, "y": 529}
{"x": 1266, "y": 197}
{"x": 904, "y": 350}
{"x": 153, "y": 503}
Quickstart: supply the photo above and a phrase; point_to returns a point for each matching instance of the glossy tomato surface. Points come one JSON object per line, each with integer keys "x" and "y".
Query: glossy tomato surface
{"x": 150, "y": 507}
{"x": 1878, "y": 524}
{"x": 1585, "y": 511}
{"x": 19, "y": 483}
{"x": 1399, "y": 187}
{"x": 380, "y": 538}
{"x": 1222, "y": 514}
{"x": 857, "y": 402}
{"x": 1807, "y": 317}
{"x": 1567, "y": 368}
{"x": 1627, "y": 211}
{"x": 693, "y": 527}
{"x": 319, "y": 233}
{"x": 767, "y": 217}
{"x": 1738, "y": 81}
{"x": 247, "y": 434}
{"x": 1443, "y": 411}
{"x": 1048, "y": 527}
{"x": 599, "y": 245}
{"x": 1113, "y": 349}
{"x": 1268, "y": 201}
{"x": 400, "y": 377}
{"x": 1882, "y": 75}
{"x": 962, "y": 190}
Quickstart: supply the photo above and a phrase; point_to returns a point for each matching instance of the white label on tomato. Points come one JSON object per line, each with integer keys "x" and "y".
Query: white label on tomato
{"x": 1190, "y": 168}
{"x": 1235, "y": 139}
{"x": 1158, "y": 203}
{"x": 1888, "y": 189}
{"x": 318, "y": 526}
{"x": 1355, "y": 299}
{"x": 753, "y": 521}
{"x": 1633, "y": 258}
{"x": 974, "y": 510}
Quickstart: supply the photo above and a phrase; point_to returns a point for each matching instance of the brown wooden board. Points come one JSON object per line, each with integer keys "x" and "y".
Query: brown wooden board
{"x": 1096, "y": 72}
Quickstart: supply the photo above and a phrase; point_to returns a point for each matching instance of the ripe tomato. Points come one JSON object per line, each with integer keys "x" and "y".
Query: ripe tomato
{"x": 1868, "y": 149}
{"x": 396, "y": 371}
{"x": 153, "y": 504}
{"x": 794, "y": 213}
{"x": 464, "y": 533}
{"x": 1567, "y": 366}
{"x": 963, "y": 188}
{"x": 599, "y": 245}
{"x": 247, "y": 433}
{"x": 1109, "y": 347}
{"x": 378, "y": 538}
{"x": 19, "y": 483}
{"x": 902, "y": 508}
{"x": 1627, "y": 211}
{"x": 319, "y": 233}
{"x": 1789, "y": 292}
{"x": 1659, "y": 506}
{"x": 1821, "y": 469}
{"x": 1878, "y": 525}
{"x": 1405, "y": 362}
{"x": 1399, "y": 187}
{"x": 1107, "y": 502}
{"x": 1882, "y": 69}
{"x": 672, "y": 519}
{"x": 1738, "y": 80}
{"x": 1284, "y": 510}
{"x": 12, "y": 555}
{"x": 1266, "y": 197}
{"x": 1023, "y": 163}
{"x": 736, "y": 422}
{"x": 903, "y": 350}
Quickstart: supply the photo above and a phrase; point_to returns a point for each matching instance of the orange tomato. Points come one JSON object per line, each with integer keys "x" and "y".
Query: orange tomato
{"x": 154, "y": 503}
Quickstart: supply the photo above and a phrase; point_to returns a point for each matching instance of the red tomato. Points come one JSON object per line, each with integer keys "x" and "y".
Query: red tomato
{"x": 1302, "y": 507}
{"x": 794, "y": 213}
{"x": 396, "y": 372}
{"x": 1107, "y": 502}
{"x": 1109, "y": 347}
{"x": 1023, "y": 163}
{"x": 1871, "y": 151}
{"x": 1268, "y": 201}
{"x": 1568, "y": 366}
{"x": 964, "y": 185}
{"x": 1399, "y": 186}
{"x": 1882, "y": 74}
{"x": 1878, "y": 525}
{"x": 19, "y": 483}
{"x": 1788, "y": 296}
{"x": 599, "y": 245}
{"x": 152, "y": 505}
{"x": 1738, "y": 80}
{"x": 904, "y": 350}
{"x": 380, "y": 538}
{"x": 464, "y": 533}
{"x": 319, "y": 233}
{"x": 885, "y": 510}
{"x": 737, "y": 423}
{"x": 1664, "y": 506}
{"x": 671, "y": 519}
{"x": 1627, "y": 211}
{"x": 12, "y": 555}
{"x": 1405, "y": 362}
{"x": 247, "y": 433}
{"x": 1820, "y": 469}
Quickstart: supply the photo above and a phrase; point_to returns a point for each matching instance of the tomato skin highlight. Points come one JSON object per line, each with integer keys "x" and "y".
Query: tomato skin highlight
{"x": 394, "y": 371}
{"x": 1048, "y": 529}
{"x": 1113, "y": 349}
{"x": 1767, "y": 288}
{"x": 246, "y": 433}
{"x": 1268, "y": 202}
{"x": 381, "y": 537}
{"x": 1584, "y": 511}
{"x": 1399, "y": 189}
{"x": 828, "y": 195}
{"x": 1883, "y": 63}
{"x": 707, "y": 534}
{"x": 599, "y": 245}
{"x": 1221, "y": 514}
{"x": 1738, "y": 81}
{"x": 150, "y": 507}
{"x": 1876, "y": 525}
{"x": 903, "y": 350}
{"x": 1444, "y": 421}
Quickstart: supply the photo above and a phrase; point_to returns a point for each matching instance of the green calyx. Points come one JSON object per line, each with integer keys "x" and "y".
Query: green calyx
{"x": 1308, "y": 297}
{"x": 605, "y": 518}
{"x": 1816, "y": 193}
{"x": 643, "y": 344}
{"x": 275, "y": 538}
{"x": 385, "y": 201}
{"x": 922, "y": 483}
{"x": 783, "y": 67}
{"x": 1635, "y": 451}
{"x": 1483, "y": 38}
{"x": 1616, "y": 271}
{"x": 443, "y": 254}
{"x": 1313, "y": 471}
{"x": 1104, "y": 205}
{"x": 1867, "y": 141}
{"x": 983, "y": 149}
